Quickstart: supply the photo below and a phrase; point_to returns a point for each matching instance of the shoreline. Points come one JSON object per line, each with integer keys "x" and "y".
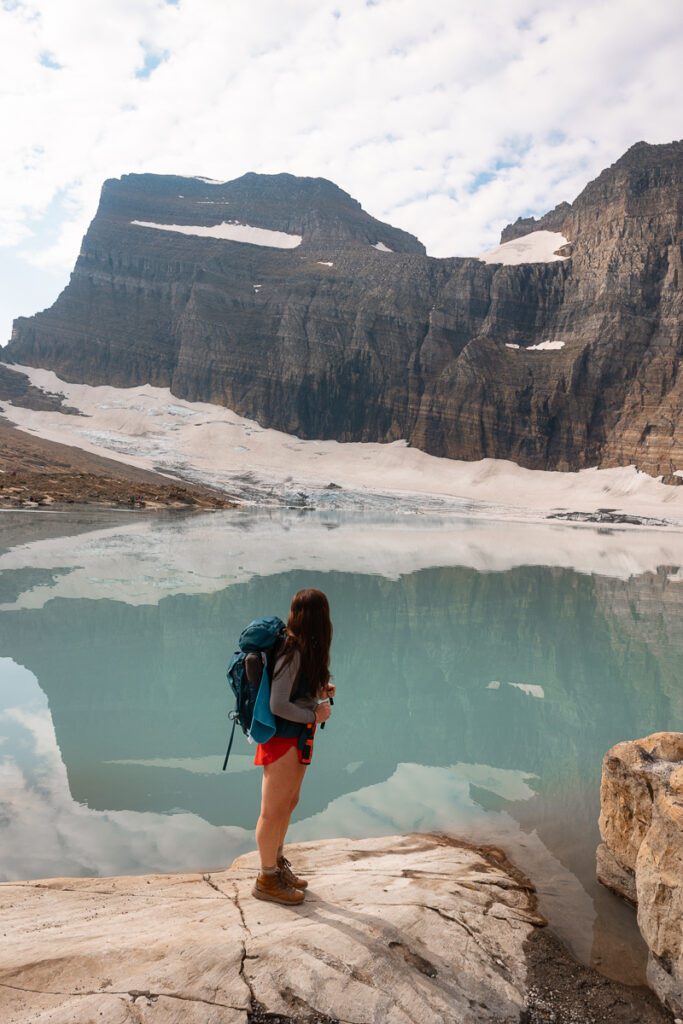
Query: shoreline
{"x": 43, "y": 474}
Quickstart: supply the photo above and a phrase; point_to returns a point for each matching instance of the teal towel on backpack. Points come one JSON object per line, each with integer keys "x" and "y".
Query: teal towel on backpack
{"x": 263, "y": 721}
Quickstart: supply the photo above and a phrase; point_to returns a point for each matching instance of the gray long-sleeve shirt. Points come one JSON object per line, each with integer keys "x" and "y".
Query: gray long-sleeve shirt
{"x": 281, "y": 689}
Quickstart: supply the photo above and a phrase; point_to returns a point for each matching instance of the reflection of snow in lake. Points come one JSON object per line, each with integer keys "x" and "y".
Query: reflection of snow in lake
{"x": 144, "y": 559}
{"x": 199, "y": 765}
{"x": 531, "y": 689}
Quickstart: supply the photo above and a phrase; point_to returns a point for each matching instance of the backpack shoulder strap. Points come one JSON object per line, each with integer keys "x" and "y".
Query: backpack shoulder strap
{"x": 274, "y": 653}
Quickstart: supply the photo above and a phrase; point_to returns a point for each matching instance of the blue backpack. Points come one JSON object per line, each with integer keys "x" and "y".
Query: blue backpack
{"x": 247, "y": 669}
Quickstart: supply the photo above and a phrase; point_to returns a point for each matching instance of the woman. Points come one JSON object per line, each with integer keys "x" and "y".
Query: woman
{"x": 299, "y": 699}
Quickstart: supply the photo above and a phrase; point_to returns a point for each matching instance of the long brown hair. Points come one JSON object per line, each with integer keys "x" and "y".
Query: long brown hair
{"x": 309, "y": 631}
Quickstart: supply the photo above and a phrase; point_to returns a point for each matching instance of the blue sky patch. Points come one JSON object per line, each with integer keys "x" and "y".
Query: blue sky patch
{"x": 153, "y": 58}
{"x": 481, "y": 179}
{"x": 48, "y": 60}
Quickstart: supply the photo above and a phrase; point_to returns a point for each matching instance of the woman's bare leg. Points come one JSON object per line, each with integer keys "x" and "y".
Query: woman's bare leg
{"x": 281, "y": 783}
{"x": 292, "y": 806}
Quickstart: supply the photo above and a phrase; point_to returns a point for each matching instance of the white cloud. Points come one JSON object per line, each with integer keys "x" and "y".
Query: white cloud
{"x": 447, "y": 120}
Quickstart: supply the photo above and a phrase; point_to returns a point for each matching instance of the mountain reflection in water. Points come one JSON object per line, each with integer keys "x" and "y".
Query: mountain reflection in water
{"x": 476, "y": 698}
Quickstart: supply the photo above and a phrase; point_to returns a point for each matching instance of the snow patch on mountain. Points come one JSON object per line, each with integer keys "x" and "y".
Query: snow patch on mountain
{"x": 543, "y": 346}
{"x": 230, "y": 232}
{"x": 209, "y": 181}
{"x": 546, "y": 346}
{"x": 536, "y": 247}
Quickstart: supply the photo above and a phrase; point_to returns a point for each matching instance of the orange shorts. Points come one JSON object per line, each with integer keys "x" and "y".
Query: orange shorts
{"x": 274, "y": 748}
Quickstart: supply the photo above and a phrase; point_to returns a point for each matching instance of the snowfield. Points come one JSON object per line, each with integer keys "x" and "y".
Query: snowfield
{"x": 209, "y": 181}
{"x": 536, "y": 247}
{"x": 543, "y": 346}
{"x": 199, "y": 442}
{"x": 546, "y": 346}
{"x": 230, "y": 232}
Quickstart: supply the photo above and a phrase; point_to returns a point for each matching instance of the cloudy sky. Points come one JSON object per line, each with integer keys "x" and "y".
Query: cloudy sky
{"x": 448, "y": 118}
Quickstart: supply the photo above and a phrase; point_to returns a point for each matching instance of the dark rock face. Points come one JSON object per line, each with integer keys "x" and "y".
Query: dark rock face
{"x": 17, "y": 389}
{"x": 385, "y": 345}
{"x": 552, "y": 221}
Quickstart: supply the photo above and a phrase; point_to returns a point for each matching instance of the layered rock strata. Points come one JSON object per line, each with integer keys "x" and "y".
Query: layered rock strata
{"x": 641, "y": 856}
{"x": 353, "y": 333}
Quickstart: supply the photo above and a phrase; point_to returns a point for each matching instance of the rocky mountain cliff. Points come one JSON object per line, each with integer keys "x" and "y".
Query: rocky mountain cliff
{"x": 334, "y": 336}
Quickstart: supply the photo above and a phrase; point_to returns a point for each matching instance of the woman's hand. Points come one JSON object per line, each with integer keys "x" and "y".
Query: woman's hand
{"x": 331, "y": 689}
{"x": 323, "y": 712}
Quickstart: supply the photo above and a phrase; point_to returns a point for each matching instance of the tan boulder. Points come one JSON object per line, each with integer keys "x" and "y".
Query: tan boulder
{"x": 641, "y": 824}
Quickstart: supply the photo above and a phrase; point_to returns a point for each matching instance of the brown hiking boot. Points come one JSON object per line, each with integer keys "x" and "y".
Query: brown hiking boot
{"x": 288, "y": 875}
{"x": 275, "y": 888}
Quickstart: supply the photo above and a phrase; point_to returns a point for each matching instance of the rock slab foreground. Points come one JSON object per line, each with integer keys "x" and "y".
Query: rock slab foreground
{"x": 412, "y": 928}
{"x": 416, "y": 929}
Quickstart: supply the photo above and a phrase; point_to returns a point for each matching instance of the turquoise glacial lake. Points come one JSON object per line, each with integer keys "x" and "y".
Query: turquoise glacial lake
{"x": 483, "y": 669}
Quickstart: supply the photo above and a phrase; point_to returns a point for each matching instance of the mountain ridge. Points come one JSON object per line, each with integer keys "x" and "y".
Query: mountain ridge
{"x": 314, "y": 207}
{"x": 557, "y": 365}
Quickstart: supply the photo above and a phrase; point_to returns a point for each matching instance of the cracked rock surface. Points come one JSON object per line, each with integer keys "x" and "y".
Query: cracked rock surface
{"x": 405, "y": 929}
{"x": 114, "y": 950}
{"x": 409, "y": 929}
{"x": 414, "y": 929}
